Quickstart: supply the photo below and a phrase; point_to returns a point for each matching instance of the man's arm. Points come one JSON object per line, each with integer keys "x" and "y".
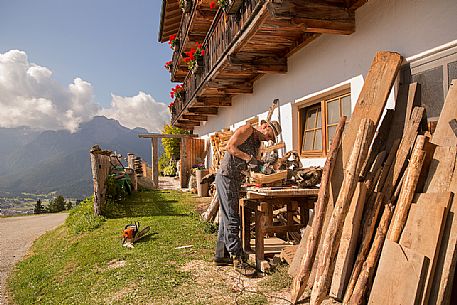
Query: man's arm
{"x": 238, "y": 138}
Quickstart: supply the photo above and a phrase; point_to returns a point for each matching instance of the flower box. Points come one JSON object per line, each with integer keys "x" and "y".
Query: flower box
{"x": 198, "y": 66}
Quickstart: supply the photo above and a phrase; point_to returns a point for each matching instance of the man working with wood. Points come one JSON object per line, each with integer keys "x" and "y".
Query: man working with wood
{"x": 242, "y": 150}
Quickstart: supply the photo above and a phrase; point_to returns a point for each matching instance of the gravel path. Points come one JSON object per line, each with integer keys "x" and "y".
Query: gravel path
{"x": 16, "y": 236}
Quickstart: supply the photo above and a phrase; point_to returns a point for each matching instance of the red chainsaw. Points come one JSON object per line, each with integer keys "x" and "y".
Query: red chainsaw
{"x": 132, "y": 234}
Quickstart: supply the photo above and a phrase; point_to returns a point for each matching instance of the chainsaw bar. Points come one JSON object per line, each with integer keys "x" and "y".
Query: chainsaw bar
{"x": 141, "y": 234}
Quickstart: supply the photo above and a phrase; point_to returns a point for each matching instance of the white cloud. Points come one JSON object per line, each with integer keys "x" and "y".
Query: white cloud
{"x": 138, "y": 111}
{"x": 29, "y": 96}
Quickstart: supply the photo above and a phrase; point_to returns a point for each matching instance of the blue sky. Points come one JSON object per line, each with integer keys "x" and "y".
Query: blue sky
{"x": 112, "y": 45}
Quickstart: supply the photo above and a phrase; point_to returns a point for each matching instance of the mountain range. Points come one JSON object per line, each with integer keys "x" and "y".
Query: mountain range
{"x": 37, "y": 161}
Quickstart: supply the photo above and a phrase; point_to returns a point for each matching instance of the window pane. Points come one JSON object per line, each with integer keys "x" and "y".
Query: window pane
{"x": 333, "y": 111}
{"x": 308, "y": 140}
{"x": 311, "y": 119}
{"x": 318, "y": 140}
{"x": 452, "y": 72}
{"x": 346, "y": 104}
{"x": 330, "y": 133}
{"x": 432, "y": 95}
{"x": 319, "y": 118}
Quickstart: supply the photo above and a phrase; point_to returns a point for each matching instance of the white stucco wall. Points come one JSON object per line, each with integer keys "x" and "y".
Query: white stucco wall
{"x": 409, "y": 27}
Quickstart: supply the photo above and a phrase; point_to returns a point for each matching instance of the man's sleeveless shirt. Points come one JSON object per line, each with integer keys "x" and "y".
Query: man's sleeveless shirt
{"x": 231, "y": 166}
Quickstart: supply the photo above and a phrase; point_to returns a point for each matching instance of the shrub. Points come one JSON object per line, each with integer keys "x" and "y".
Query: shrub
{"x": 82, "y": 217}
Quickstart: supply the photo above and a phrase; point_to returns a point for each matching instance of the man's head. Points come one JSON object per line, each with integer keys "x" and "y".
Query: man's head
{"x": 270, "y": 130}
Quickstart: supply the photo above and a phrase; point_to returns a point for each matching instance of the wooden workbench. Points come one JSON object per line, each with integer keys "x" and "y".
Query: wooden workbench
{"x": 262, "y": 201}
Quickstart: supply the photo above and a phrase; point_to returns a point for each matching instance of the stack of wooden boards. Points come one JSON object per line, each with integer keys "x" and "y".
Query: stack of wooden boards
{"x": 383, "y": 230}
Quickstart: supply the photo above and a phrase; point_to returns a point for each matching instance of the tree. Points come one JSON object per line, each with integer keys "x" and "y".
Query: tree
{"x": 171, "y": 146}
{"x": 69, "y": 205}
{"x": 39, "y": 208}
{"x": 57, "y": 204}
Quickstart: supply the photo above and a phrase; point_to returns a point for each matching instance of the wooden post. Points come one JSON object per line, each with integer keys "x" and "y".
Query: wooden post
{"x": 130, "y": 158}
{"x": 326, "y": 261}
{"x": 155, "y": 162}
{"x": 407, "y": 191}
{"x": 300, "y": 280}
{"x": 260, "y": 219}
{"x": 100, "y": 165}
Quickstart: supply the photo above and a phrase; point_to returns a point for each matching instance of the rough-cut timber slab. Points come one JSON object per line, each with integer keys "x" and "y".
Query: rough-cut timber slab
{"x": 445, "y": 266}
{"x": 295, "y": 264}
{"x": 373, "y": 98}
{"x": 370, "y": 105}
{"x": 441, "y": 169}
{"x": 348, "y": 243}
{"x": 332, "y": 236}
{"x": 322, "y": 214}
{"x": 423, "y": 230}
{"x": 400, "y": 276}
{"x": 443, "y": 135}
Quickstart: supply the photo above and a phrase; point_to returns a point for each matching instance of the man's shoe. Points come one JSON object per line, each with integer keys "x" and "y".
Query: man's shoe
{"x": 243, "y": 267}
{"x": 223, "y": 261}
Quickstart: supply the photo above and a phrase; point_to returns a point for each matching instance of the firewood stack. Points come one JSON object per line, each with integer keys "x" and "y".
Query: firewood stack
{"x": 387, "y": 222}
{"x": 218, "y": 144}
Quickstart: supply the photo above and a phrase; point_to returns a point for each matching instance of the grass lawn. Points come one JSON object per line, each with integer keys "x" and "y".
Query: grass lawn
{"x": 92, "y": 267}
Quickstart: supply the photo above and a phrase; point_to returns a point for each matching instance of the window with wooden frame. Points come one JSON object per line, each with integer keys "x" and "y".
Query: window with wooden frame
{"x": 318, "y": 123}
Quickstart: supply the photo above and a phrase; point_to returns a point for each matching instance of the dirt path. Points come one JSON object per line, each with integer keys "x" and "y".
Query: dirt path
{"x": 16, "y": 236}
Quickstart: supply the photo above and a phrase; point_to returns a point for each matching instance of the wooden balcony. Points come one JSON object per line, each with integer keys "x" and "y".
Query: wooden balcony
{"x": 256, "y": 40}
{"x": 193, "y": 28}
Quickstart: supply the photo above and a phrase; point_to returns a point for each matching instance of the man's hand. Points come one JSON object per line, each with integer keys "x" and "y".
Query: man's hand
{"x": 254, "y": 164}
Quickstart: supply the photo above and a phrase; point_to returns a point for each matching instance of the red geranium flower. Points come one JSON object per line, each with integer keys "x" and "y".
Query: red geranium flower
{"x": 212, "y": 5}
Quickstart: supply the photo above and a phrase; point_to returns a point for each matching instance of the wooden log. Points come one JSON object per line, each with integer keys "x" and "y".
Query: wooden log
{"x": 368, "y": 269}
{"x": 375, "y": 171}
{"x": 302, "y": 276}
{"x": 407, "y": 190}
{"x": 368, "y": 231}
{"x": 371, "y": 213}
{"x": 379, "y": 142}
{"x": 443, "y": 135}
{"x": 212, "y": 209}
{"x": 348, "y": 243}
{"x": 403, "y": 151}
{"x": 333, "y": 234}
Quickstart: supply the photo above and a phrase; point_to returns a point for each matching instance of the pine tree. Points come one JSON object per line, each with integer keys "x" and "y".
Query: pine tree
{"x": 39, "y": 208}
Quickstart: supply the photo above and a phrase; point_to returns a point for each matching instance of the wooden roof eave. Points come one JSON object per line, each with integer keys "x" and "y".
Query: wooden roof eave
{"x": 170, "y": 18}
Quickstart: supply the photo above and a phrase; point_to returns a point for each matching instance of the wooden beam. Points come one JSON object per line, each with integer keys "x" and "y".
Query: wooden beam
{"x": 315, "y": 17}
{"x": 231, "y": 88}
{"x": 261, "y": 65}
{"x": 183, "y": 126}
{"x": 190, "y": 123}
{"x": 223, "y": 101}
{"x": 195, "y": 117}
{"x": 155, "y": 162}
{"x": 162, "y": 135}
{"x": 201, "y": 110}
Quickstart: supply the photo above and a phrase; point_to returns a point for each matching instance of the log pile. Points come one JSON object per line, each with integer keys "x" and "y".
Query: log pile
{"x": 388, "y": 228}
{"x": 218, "y": 145}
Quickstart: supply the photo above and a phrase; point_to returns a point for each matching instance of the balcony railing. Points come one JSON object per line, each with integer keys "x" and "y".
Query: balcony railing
{"x": 223, "y": 33}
